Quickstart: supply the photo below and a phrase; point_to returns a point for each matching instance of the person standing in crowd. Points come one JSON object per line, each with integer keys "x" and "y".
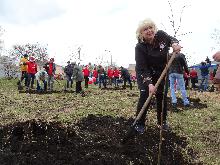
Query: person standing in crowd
{"x": 95, "y": 74}
{"x": 50, "y": 68}
{"x": 31, "y": 71}
{"x": 204, "y": 68}
{"x": 86, "y": 74}
{"x": 186, "y": 79}
{"x": 151, "y": 54}
{"x": 102, "y": 76}
{"x": 110, "y": 75}
{"x": 41, "y": 76}
{"x": 116, "y": 74}
{"x": 78, "y": 76}
{"x": 176, "y": 74}
{"x": 68, "y": 70}
{"x": 23, "y": 68}
{"x": 125, "y": 75}
{"x": 193, "y": 77}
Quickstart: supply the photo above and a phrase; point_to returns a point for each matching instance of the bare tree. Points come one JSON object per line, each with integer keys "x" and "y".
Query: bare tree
{"x": 36, "y": 50}
{"x": 175, "y": 19}
{"x": 216, "y": 38}
{"x": 1, "y": 40}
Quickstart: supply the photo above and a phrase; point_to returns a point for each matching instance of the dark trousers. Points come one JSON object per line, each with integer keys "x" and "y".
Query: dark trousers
{"x": 69, "y": 81}
{"x": 30, "y": 81}
{"x": 86, "y": 81}
{"x": 24, "y": 76}
{"x": 39, "y": 88}
{"x": 102, "y": 80}
{"x": 127, "y": 80}
{"x": 160, "y": 95}
{"x": 78, "y": 86}
{"x": 116, "y": 81}
{"x": 193, "y": 82}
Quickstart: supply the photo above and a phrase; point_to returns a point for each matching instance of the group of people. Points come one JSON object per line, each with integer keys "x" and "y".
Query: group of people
{"x": 98, "y": 74}
{"x": 29, "y": 72}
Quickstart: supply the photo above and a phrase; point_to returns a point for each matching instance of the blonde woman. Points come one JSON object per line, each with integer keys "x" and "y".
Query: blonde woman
{"x": 151, "y": 57}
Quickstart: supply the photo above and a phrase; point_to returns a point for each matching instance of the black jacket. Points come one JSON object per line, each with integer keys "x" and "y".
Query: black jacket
{"x": 179, "y": 64}
{"x": 152, "y": 58}
{"x": 125, "y": 74}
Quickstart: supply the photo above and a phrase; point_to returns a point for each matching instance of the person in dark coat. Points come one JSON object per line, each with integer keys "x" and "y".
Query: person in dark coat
{"x": 78, "y": 76}
{"x": 68, "y": 70}
{"x": 125, "y": 75}
{"x": 151, "y": 56}
{"x": 177, "y": 70}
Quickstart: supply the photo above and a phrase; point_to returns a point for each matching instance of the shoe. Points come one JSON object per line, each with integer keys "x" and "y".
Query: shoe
{"x": 139, "y": 128}
{"x": 174, "y": 107}
{"x": 190, "y": 105}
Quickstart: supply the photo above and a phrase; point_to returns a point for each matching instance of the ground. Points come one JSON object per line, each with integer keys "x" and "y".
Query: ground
{"x": 90, "y": 141}
{"x": 40, "y": 136}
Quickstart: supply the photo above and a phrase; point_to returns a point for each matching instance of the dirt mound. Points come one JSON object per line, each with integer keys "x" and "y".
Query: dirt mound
{"x": 93, "y": 140}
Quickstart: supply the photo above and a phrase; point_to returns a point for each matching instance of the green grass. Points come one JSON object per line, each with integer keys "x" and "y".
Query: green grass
{"x": 201, "y": 126}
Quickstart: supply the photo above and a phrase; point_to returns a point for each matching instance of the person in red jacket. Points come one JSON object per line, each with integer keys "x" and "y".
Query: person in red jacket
{"x": 110, "y": 75}
{"x": 86, "y": 73}
{"x": 50, "y": 68}
{"x": 116, "y": 74}
{"x": 193, "y": 77}
{"x": 95, "y": 74}
{"x": 31, "y": 71}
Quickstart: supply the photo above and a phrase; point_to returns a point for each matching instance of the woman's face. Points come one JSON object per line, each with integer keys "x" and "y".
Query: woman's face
{"x": 148, "y": 33}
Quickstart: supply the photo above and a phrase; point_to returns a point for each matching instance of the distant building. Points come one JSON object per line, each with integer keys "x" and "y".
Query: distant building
{"x": 131, "y": 69}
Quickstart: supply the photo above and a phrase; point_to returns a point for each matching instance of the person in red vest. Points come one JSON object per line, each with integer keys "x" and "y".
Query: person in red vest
{"x": 86, "y": 73}
{"x": 31, "y": 71}
{"x": 116, "y": 74}
{"x": 193, "y": 77}
{"x": 110, "y": 75}
{"x": 95, "y": 74}
{"x": 50, "y": 68}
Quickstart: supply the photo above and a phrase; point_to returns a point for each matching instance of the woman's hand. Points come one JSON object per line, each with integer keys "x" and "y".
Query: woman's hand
{"x": 152, "y": 88}
{"x": 176, "y": 47}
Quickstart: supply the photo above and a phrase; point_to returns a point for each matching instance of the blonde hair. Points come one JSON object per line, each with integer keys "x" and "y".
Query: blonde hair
{"x": 143, "y": 24}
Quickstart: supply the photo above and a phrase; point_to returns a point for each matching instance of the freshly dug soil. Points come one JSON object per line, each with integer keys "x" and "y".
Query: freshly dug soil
{"x": 94, "y": 140}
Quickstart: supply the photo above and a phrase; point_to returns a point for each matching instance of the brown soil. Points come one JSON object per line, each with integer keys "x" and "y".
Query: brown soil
{"x": 93, "y": 140}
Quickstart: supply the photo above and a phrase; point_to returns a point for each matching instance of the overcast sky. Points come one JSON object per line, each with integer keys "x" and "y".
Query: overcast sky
{"x": 99, "y": 25}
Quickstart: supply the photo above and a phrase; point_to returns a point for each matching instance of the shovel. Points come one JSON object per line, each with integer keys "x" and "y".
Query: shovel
{"x": 132, "y": 132}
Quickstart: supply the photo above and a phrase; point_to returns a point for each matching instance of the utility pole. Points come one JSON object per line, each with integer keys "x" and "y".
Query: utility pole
{"x": 79, "y": 49}
{"x": 110, "y": 56}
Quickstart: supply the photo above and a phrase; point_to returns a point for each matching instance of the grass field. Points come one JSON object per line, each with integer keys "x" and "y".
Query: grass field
{"x": 97, "y": 122}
